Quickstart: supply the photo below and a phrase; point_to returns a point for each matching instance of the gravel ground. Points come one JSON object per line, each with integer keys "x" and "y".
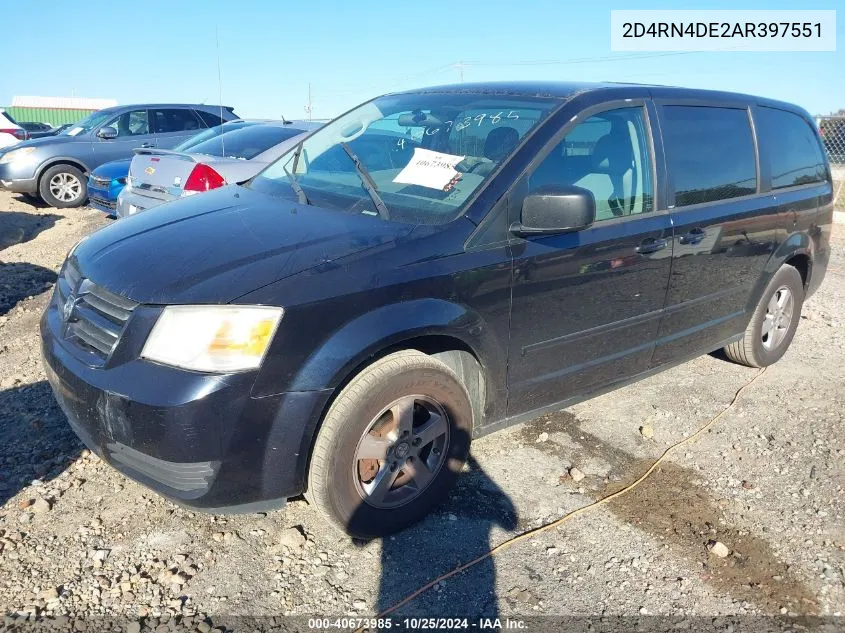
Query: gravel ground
{"x": 744, "y": 523}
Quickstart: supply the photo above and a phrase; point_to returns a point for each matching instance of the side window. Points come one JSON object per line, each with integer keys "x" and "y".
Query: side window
{"x": 793, "y": 151}
{"x": 608, "y": 154}
{"x": 209, "y": 119}
{"x": 175, "y": 120}
{"x": 709, "y": 153}
{"x": 132, "y": 123}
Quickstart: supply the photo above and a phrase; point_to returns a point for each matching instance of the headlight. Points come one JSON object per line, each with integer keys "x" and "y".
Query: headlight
{"x": 16, "y": 155}
{"x": 212, "y": 338}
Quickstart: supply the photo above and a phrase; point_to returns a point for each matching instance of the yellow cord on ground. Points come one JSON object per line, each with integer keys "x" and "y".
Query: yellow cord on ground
{"x": 574, "y": 513}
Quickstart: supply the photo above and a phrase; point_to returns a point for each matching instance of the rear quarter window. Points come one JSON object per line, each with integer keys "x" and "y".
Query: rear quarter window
{"x": 791, "y": 147}
{"x": 709, "y": 153}
{"x": 175, "y": 120}
{"x": 210, "y": 120}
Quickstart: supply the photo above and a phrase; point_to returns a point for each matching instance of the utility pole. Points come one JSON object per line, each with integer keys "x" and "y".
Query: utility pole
{"x": 309, "y": 107}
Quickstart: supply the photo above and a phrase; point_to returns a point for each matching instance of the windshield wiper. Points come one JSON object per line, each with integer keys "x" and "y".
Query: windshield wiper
{"x": 367, "y": 182}
{"x": 297, "y": 188}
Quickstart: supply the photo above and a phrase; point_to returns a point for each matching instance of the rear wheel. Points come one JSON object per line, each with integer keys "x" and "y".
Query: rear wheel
{"x": 63, "y": 187}
{"x": 774, "y": 322}
{"x": 391, "y": 445}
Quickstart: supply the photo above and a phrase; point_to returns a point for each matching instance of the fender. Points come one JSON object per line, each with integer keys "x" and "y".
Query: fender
{"x": 353, "y": 346}
{"x": 368, "y": 335}
{"x": 797, "y": 243}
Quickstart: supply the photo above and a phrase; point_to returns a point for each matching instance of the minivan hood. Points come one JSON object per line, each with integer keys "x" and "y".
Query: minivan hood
{"x": 217, "y": 246}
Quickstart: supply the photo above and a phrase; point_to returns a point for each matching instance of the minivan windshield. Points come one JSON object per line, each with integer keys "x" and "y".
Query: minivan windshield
{"x": 87, "y": 124}
{"x": 413, "y": 158}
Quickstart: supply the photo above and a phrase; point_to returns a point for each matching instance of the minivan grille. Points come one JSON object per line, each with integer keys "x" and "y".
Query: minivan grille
{"x": 93, "y": 317}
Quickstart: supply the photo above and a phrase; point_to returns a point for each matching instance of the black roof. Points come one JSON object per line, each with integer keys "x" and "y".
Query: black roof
{"x": 553, "y": 89}
{"x": 565, "y": 90}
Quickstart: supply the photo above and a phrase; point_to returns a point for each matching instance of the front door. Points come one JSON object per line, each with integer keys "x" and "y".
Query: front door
{"x": 586, "y": 305}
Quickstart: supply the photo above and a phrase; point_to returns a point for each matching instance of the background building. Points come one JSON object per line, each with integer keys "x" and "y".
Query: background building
{"x": 55, "y": 110}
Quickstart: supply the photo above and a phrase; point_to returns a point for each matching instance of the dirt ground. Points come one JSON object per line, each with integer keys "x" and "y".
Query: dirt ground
{"x": 764, "y": 487}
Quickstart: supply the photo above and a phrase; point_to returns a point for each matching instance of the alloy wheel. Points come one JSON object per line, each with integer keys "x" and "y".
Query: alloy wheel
{"x": 401, "y": 452}
{"x": 778, "y": 318}
{"x": 65, "y": 187}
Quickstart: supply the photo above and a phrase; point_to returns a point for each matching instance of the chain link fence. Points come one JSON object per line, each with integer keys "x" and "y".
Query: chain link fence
{"x": 832, "y": 129}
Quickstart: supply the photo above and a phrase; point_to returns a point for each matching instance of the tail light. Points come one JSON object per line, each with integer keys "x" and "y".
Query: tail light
{"x": 19, "y": 133}
{"x": 203, "y": 178}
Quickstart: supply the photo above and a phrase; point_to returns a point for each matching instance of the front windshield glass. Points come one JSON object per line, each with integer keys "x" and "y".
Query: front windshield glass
{"x": 425, "y": 154}
{"x": 87, "y": 124}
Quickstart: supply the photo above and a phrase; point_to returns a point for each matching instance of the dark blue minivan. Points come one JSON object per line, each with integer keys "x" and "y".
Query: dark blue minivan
{"x": 427, "y": 268}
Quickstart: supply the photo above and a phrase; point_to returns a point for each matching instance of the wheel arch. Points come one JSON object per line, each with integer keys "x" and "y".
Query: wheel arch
{"x": 448, "y": 349}
{"x": 59, "y": 160}
{"x": 433, "y": 326}
{"x": 796, "y": 250}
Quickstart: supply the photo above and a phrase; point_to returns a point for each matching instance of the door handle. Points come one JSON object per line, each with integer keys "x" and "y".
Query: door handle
{"x": 651, "y": 245}
{"x": 694, "y": 236}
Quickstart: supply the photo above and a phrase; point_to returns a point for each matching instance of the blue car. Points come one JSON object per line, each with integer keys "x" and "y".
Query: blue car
{"x": 105, "y": 183}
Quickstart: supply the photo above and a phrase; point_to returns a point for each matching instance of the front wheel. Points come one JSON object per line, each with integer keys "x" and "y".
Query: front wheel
{"x": 391, "y": 445}
{"x": 63, "y": 187}
{"x": 774, "y": 322}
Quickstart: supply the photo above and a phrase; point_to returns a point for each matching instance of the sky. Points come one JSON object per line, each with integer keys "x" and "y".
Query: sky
{"x": 348, "y": 51}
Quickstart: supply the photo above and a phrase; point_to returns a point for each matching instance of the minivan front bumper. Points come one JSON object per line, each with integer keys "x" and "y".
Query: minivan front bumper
{"x": 201, "y": 440}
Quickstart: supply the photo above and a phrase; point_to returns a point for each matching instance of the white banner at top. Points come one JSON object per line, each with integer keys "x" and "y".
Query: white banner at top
{"x": 723, "y": 30}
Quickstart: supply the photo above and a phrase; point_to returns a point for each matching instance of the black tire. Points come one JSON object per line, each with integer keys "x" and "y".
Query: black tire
{"x": 334, "y": 483}
{"x": 753, "y": 349}
{"x": 47, "y": 186}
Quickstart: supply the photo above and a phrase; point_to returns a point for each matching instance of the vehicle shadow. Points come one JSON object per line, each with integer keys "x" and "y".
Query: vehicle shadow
{"x": 36, "y": 441}
{"x": 17, "y": 227}
{"x": 719, "y": 354}
{"x": 33, "y": 201}
{"x": 19, "y": 280}
{"x": 675, "y": 506}
{"x": 458, "y": 531}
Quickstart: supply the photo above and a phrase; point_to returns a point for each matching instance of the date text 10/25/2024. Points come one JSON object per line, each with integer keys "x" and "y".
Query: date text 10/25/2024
{"x": 417, "y": 624}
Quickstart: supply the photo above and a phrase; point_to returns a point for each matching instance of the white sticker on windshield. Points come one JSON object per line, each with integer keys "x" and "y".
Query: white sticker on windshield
{"x": 435, "y": 170}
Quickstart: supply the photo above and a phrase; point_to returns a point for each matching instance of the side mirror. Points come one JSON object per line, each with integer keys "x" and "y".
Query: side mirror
{"x": 107, "y": 133}
{"x": 556, "y": 209}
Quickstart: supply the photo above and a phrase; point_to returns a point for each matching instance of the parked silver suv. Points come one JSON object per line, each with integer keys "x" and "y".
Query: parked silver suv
{"x": 54, "y": 168}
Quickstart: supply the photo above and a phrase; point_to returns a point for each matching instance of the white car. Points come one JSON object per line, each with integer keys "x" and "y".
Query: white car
{"x": 10, "y": 132}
